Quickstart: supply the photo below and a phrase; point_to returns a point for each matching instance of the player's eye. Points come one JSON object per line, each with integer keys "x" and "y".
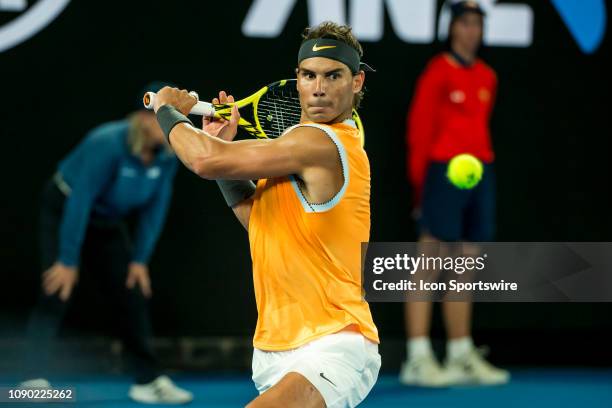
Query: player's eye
{"x": 333, "y": 75}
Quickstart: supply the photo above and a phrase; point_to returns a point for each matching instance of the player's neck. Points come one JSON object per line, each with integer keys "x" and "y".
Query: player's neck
{"x": 339, "y": 119}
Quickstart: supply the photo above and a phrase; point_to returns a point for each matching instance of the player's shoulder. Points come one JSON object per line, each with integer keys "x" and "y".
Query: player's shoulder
{"x": 309, "y": 136}
{"x": 306, "y": 132}
{"x": 307, "y": 128}
{"x": 311, "y": 144}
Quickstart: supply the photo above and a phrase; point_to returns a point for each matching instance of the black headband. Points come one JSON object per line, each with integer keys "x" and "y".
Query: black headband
{"x": 333, "y": 49}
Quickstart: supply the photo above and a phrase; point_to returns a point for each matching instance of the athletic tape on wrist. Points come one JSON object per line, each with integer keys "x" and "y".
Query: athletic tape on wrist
{"x": 168, "y": 117}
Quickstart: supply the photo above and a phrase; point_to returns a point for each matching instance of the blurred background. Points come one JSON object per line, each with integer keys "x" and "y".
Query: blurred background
{"x": 67, "y": 66}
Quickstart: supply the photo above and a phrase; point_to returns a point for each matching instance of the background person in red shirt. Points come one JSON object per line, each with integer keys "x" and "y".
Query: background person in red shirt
{"x": 450, "y": 115}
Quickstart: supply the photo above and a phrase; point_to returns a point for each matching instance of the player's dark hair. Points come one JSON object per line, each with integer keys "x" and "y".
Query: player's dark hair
{"x": 339, "y": 32}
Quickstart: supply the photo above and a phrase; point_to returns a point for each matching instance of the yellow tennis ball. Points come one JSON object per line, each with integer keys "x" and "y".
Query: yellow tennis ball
{"x": 464, "y": 171}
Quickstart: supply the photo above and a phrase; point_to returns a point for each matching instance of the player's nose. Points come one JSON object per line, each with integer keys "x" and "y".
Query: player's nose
{"x": 319, "y": 87}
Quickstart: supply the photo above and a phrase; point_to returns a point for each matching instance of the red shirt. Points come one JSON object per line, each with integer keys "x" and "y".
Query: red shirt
{"x": 449, "y": 115}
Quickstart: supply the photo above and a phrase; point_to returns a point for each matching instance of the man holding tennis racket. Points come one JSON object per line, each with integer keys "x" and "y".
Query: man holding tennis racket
{"x": 315, "y": 343}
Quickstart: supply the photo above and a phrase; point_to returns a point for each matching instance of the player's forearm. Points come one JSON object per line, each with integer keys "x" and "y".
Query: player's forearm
{"x": 195, "y": 148}
{"x": 210, "y": 157}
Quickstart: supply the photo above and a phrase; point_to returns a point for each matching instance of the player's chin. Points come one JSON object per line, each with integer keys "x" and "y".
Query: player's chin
{"x": 320, "y": 114}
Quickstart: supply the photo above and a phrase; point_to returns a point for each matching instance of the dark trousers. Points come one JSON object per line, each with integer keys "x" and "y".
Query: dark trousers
{"x": 105, "y": 256}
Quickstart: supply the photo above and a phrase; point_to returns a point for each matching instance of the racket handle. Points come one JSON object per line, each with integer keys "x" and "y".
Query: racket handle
{"x": 200, "y": 108}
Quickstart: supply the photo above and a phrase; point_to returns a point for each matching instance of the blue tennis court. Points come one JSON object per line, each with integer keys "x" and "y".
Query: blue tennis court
{"x": 529, "y": 388}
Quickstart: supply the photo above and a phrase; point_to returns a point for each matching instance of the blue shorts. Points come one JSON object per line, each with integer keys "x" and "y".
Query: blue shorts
{"x": 451, "y": 214}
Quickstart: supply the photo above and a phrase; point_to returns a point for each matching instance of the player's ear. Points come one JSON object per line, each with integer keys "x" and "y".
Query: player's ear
{"x": 358, "y": 81}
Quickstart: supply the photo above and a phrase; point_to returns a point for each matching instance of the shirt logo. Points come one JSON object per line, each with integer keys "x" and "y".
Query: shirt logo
{"x": 316, "y": 48}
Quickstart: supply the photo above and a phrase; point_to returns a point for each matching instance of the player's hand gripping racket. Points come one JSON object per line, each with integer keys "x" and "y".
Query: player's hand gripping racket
{"x": 265, "y": 114}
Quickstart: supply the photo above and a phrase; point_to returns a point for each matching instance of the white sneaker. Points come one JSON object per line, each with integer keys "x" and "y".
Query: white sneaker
{"x": 424, "y": 371}
{"x": 160, "y": 391}
{"x": 473, "y": 369}
{"x": 36, "y": 383}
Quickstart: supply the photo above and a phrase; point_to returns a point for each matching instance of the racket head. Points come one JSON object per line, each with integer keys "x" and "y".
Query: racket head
{"x": 279, "y": 108}
{"x": 274, "y": 108}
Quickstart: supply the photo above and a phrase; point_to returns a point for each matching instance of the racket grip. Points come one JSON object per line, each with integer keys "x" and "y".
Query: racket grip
{"x": 200, "y": 108}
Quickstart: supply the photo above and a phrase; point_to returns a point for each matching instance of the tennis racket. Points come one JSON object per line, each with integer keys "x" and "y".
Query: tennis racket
{"x": 265, "y": 114}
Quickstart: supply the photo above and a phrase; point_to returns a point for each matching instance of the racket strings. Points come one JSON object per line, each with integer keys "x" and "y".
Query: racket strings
{"x": 278, "y": 110}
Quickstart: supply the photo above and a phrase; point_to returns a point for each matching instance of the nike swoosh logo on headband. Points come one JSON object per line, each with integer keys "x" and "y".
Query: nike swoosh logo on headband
{"x": 315, "y": 48}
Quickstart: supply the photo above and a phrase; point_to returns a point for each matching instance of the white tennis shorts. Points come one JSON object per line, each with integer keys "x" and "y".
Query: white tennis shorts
{"x": 342, "y": 366}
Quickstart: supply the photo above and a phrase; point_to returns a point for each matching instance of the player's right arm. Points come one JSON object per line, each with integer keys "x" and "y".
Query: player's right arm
{"x": 305, "y": 152}
{"x": 212, "y": 156}
{"x": 210, "y": 153}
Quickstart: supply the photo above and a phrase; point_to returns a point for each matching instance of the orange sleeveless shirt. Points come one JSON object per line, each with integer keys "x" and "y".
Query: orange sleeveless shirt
{"x": 307, "y": 257}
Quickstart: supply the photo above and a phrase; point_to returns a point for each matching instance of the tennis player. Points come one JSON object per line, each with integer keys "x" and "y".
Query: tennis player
{"x": 315, "y": 343}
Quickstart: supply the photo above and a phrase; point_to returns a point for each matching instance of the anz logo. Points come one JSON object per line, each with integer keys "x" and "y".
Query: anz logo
{"x": 27, "y": 20}
{"x": 508, "y": 24}
{"x": 413, "y": 21}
